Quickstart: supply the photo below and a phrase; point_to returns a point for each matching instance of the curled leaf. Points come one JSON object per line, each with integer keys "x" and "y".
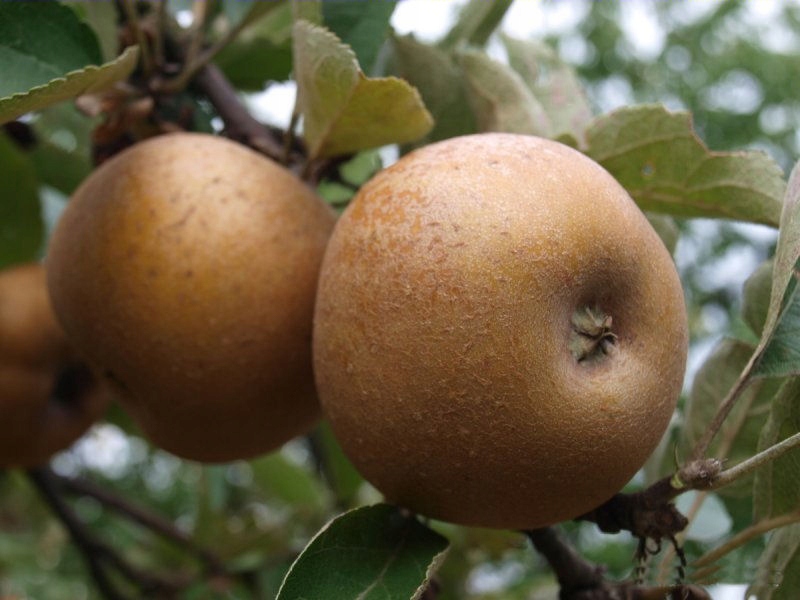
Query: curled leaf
{"x": 344, "y": 110}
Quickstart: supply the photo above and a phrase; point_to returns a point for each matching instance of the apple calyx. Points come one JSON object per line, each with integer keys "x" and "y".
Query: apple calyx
{"x": 592, "y": 337}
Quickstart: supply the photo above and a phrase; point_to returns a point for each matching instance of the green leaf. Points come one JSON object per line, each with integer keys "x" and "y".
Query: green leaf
{"x": 344, "y": 111}
{"x": 58, "y": 167}
{"x": 755, "y": 297}
{"x": 778, "y": 574}
{"x": 777, "y": 487}
{"x": 787, "y": 257}
{"x": 102, "y": 18}
{"x": 83, "y": 81}
{"x": 289, "y": 482}
{"x": 500, "y": 99}
{"x": 343, "y": 476}
{"x": 62, "y": 153}
{"x": 338, "y": 195}
{"x": 781, "y": 356}
{"x": 21, "y": 226}
{"x": 40, "y": 41}
{"x": 656, "y": 155}
{"x": 554, "y": 84}
{"x": 361, "y": 25}
{"x": 262, "y": 52}
{"x": 211, "y": 496}
{"x": 361, "y": 167}
{"x": 370, "y": 553}
{"x": 666, "y": 228}
{"x": 743, "y": 426}
{"x": 440, "y": 82}
{"x": 308, "y": 10}
{"x": 476, "y": 22}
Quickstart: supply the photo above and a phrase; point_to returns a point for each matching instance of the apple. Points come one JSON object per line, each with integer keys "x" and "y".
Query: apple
{"x": 500, "y": 336}
{"x": 185, "y": 269}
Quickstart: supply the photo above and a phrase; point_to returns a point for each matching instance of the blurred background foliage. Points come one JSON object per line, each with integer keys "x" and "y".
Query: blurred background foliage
{"x": 734, "y": 64}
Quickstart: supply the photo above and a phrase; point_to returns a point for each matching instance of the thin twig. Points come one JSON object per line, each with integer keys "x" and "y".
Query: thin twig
{"x": 147, "y": 519}
{"x": 132, "y": 18}
{"x": 96, "y": 552}
{"x": 197, "y": 31}
{"x": 708, "y": 480}
{"x": 240, "y": 125}
{"x": 667, "y": 558}
{"x": 572, "y": 571}
{"x": 197, "y": 60}
{"x": 725, "y": 407}
{"x": 745, "y": 467}
{"x": 159, "y": 56}
{"x": 288, "y": 136}
{"x": 646, "y": 514}
{"x": 92, "y": 549}
{"x": 747, "y": 534}
{"x": 582, "y": 580}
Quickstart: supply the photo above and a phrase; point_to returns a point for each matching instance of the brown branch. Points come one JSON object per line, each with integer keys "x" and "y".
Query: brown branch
{"x": 240, "y": 125}
{"x": 582, "y": 580}
{"x": 646, "y": 514}
{"x": 574, "y": 573}
{"x": 88, "y": 545}
{"x": 98, "y": 554}
{"x": 147, "y": 519}
{"x": 132, "y": 18}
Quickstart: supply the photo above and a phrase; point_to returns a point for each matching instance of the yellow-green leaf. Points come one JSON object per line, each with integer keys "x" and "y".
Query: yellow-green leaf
{"x": 554, "y": 83}
{"x": 500, "y": 99}
{"x": 343, "y": 110}
{"x": 787, "y": 255}
{"x": 440, "y": 81}
{"x": 21, "y": 227}
{"x": 778, "y": 575}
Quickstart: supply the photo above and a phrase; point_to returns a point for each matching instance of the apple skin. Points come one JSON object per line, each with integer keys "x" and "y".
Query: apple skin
{"x": 48, "y": 397}
{"x": 445, "y": 331}
{"x": 185, "y": 269}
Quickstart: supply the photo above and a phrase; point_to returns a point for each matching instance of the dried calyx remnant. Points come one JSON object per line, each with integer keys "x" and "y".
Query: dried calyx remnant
{"x": 592, "y": 337}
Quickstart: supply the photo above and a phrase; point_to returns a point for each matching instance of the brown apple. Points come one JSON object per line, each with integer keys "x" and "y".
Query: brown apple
{"x": 185, "y": 269}
{"x": 48, "y": 397}
{"x": 500, "y": 336}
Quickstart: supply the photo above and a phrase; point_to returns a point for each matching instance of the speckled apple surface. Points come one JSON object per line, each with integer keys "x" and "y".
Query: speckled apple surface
{"x": 185, "y": 269}
{"x": 443, "y": 325}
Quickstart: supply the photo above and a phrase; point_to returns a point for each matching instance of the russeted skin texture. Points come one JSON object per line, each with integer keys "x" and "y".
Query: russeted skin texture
{"x": 185, "y": 268}
{"x": 48, "y": 399}
{"x": 443, "y": 325}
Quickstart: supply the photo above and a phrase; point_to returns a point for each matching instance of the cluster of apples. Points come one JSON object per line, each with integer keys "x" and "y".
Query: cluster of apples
{"x": 495, "y": 332}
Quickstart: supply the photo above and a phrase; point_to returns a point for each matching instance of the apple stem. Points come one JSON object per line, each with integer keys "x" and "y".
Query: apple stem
{"x": 592, "y": 337}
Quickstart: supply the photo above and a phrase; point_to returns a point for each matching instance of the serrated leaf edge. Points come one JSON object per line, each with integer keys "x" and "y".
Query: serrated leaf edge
{"x": 125, "y": 56}
{"x": 688, "y": 120}
{"x": 432, "y": 567}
